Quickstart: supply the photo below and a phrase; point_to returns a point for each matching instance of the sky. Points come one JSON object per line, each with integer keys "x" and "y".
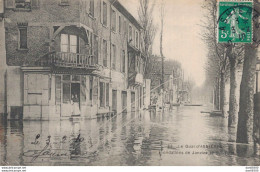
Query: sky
{"x": 181, "y": 39}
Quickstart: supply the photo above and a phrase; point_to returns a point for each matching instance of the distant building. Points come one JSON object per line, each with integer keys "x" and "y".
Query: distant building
{"x": 70, "y": 58}
{"x": 172, "y": 81}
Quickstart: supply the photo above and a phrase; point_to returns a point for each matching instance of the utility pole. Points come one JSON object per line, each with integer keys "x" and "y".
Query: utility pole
{"x": 161, "y": 52}
{"x": 161, "y": 40}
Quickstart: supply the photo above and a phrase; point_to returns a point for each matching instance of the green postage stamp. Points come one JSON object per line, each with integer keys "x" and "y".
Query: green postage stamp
{"x": 235, "y": 21}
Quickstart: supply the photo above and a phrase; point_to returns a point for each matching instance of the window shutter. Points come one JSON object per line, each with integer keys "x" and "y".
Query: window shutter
{"x": 35, "y": 3}
{"x": 9, "y": 3}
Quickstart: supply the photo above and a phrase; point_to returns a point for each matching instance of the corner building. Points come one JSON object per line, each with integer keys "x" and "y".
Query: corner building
{"x": 63, "y": 55}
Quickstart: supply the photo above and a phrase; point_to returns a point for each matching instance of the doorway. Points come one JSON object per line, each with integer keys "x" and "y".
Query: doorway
{"x": 132, "y": 101}
{"x": 114, "y": 100}
{"x": 75, "y": 98}
{"x": 124, "y": 101}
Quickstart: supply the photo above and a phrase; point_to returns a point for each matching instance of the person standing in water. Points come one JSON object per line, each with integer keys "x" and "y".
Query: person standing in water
{"x": 75, "y": 104}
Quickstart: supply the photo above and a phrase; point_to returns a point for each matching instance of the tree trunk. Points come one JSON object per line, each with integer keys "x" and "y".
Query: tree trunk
{"x": 222, "y": 94}
{"x": 217, "y": 95}
{"x": 232, "y": 117}
{"x": 216, "y": 98}
{"x": 246, "y": 101}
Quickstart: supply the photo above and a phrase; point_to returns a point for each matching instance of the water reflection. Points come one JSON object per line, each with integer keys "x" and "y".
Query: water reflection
{"x": 182, "y": 136}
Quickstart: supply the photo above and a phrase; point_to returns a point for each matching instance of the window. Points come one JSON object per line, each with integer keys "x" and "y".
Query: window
{"x": 66, "y": 78}
{"x": 102, "y": 94}
{"x": 104, "y": 14}
{"x": 107, "y": 94}
{"x": 69, "y": 43}
{"x": 133, "y": 37}
{"x": 66, "y": 92}
{"x": 96, "y": 49}
{"x": 64, "y": 43}
{"x": 23, "y": 38}
{"x": 23, "y": 4}
{"x": 113, "y": 24}
{"x": 130, "y": 33}
{"x": 9, "y": 4}
{"x": 35, "y": 3}
{"x": 64, "y": 2}
{"x": 137, "y": 64}
{"x": 119, "y": 24}
{"x": 113, "y": 55}
{"x": 58, "y": 89}
{"x": 75, "y": 78}
{"x": 136, "y": 39}
{"x": 124, "y": 27}
{"x": 73, "y": 43}
{"x": 90, "y": 88}
{"x": 123, "y": 62}
{"x": 91, "y": 8}
{"x": 105, "y": 53}
{"x": 90, "y": 43}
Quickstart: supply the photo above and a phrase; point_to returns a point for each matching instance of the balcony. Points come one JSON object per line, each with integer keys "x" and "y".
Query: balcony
{"x": 68, "y": 60}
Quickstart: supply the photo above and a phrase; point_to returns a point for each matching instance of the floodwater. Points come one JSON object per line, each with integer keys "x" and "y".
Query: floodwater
{"x": 183, "y": 136}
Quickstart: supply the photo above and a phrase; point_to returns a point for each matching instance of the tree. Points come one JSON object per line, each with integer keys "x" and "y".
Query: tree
{"x": 246, "y": 101}
{"x": 145, "y": 14}
{"x": 218, "y": 63}
{"x": 235, "y": 54}
{"x": 162, "y": 13}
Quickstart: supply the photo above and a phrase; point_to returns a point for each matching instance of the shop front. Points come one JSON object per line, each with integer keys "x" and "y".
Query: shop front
{"x": 55, "y": 95}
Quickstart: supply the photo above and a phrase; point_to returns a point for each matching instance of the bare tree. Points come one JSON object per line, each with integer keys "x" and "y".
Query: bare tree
{"x": 235, "y": 54}
{"x": 145, "y": 13}
{"x": 246, "y": 102}
{"x": 162, "y": 13}
{"x": 218, "y": 62}
{"x": 228, "y": 61}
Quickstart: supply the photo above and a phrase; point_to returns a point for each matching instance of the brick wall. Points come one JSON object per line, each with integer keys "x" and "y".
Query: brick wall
{"x": 40, "y": 26}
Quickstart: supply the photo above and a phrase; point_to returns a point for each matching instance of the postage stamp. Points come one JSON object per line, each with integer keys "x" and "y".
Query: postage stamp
{"x": 235, "y": 21}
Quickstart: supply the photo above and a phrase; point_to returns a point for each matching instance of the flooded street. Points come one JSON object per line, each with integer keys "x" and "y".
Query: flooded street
{"x": 183, "y": 136}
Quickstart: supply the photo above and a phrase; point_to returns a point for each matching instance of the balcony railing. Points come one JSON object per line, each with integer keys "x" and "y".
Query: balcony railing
{"x": 64, "y": 59}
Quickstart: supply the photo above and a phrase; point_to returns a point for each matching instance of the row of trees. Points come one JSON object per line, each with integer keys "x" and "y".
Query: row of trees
{"x": 145, "y": 14}
{"x": 222, "y": 64}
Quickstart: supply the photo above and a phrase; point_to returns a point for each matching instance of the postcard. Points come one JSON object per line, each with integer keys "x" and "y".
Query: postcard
{"x": 129, "y": 83}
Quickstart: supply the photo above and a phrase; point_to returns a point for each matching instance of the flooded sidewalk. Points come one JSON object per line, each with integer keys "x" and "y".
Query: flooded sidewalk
{"x": 183, "y": 136}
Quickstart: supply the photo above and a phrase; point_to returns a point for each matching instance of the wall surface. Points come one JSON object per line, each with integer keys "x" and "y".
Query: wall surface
{"x": 2, "y": 69}
{"x": 15, "y": 88}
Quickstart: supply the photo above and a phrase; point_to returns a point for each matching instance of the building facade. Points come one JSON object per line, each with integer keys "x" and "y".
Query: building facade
{"x": 71, "y": 58}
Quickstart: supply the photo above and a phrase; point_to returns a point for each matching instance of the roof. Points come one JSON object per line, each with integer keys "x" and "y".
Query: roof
{"x": 126, "y": 13}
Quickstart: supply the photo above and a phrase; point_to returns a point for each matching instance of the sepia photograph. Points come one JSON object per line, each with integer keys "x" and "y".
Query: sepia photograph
{"x": 129, "y": 83}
